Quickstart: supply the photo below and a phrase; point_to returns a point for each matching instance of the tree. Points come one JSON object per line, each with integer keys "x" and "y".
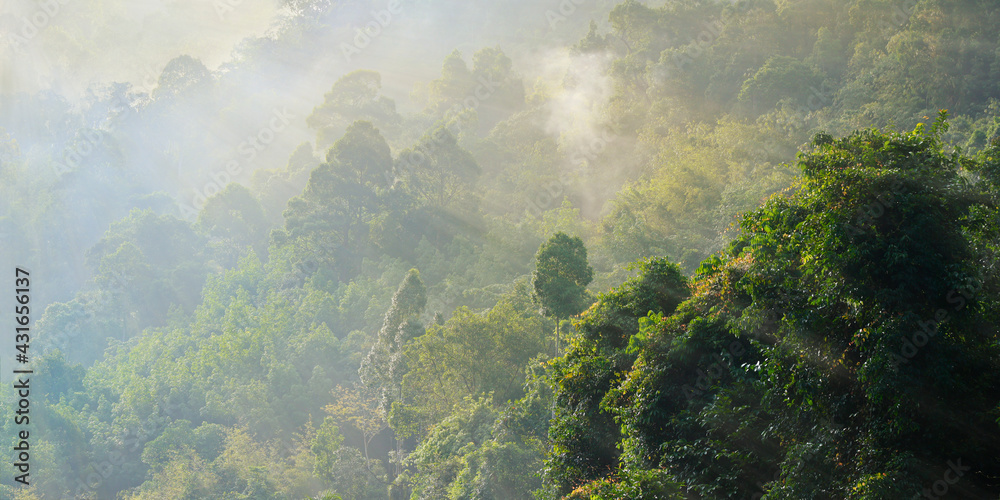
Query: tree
{"x": 274, "y": 187}
{"x": 383, "y": 368}
{"x": 439, "y": 457}
{"x": 60, "y": 378}
{"x": 491, "y": 82}
{"x": 447, "y": 173}
{"x": 182, "y": 74}
{"x": 593, "y": 42}
{"x": 454, "y": 84}
{"x": 359, "y": 407}
{"x": 633, "y": 24}
{"x": 475, "y": 355}
{"x": 407, "y": 304}
{"x": 355, "y": 96}
{"x": 325, "y": 445}
{"x": 330, "y": 221}
{"x": 781, "y": 77}
{"x": 490, "y": 64}
{"x": 147, "y": 264}
{"x": 234, "y": 222}
{"x": 343, "y": 467}
{"x": 584, "y": 435}
{"x": 561, "y": 277}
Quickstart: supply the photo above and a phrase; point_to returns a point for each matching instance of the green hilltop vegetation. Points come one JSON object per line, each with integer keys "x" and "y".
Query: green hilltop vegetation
{"x": 763, "y": 267}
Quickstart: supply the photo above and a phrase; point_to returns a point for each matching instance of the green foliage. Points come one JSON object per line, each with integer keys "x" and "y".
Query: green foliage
{"x": 498, "y": 470}
{"x": 58, "y": 378}
{"x": 491, "y": 81}
{"x": 329, "y": 223}
{"x": 182, "y": 74}
{"x": 781, "y": 77}
{"x": 441, "y": 176}
{"x": 583, "y": 433}
{"x": 325, "y": 446}
{"x": 475, "y": 355}
{"x": 275, "y": 187}
{"x": 561, "y": 276}
{"x": 147, "y": 268}
{"x": 795, "y": 365}
{"x": 383, "y": 368}
{"x": 355, "y": 96}
{"x": 641, "y": 484}
{"x": 407, "y": 303}
{"x": 836, "y": 342}
{"x": 234, "y": 221}
{"x": 458, "y": 458}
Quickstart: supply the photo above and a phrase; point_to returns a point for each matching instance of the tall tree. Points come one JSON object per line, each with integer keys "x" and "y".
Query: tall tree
{"x": 234, "y": 223}
{"x": 330, "y": 221}
{"x": 445, "y": 176}
{"x": 561, "y": 277}
{"x": 355, "y": 96}
{"x": 383, "y": 368}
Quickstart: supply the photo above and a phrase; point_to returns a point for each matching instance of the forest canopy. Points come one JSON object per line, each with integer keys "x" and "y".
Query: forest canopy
{"x": 508, "y": 250}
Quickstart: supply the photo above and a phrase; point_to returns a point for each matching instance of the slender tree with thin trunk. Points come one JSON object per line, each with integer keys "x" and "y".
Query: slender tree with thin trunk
{"x": 561, "y": 277}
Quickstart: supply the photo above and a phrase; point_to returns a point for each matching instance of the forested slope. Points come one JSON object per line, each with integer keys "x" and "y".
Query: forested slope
{"x": 705, "y": 250}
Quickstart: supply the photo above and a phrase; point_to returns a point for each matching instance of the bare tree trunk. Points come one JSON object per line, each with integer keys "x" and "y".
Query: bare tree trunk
{"x": 557, "y": 337}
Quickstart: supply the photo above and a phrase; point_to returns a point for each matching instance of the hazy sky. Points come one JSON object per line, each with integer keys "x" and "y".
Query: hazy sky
{"x": 66, "y": 45}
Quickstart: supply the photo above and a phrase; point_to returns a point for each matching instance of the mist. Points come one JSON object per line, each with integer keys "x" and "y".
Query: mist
{"x": 441, "y": 249}
{"x": 101, "y": 67}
